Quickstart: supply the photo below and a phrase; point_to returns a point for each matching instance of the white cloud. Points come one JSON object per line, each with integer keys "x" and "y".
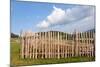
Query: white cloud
{"x": 43, "y": 24}
{"x": 57, "y": 16}
{"x": 78, "y": 16}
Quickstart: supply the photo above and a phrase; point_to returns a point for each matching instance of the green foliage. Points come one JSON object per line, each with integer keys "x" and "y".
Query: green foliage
{"x": 14, "y": 35}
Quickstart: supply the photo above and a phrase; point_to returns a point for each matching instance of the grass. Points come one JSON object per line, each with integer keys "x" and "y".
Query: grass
{"x": 17, "y": 61}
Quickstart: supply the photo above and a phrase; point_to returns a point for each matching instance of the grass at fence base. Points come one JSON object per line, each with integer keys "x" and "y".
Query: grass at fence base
{"x": 17, "y": 61}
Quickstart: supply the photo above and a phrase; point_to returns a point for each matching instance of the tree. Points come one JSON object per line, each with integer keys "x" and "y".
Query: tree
{"x": 14, "y": 35}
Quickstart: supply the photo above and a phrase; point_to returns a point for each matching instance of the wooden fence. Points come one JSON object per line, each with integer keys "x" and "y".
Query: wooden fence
{"x": 54, "y": 44}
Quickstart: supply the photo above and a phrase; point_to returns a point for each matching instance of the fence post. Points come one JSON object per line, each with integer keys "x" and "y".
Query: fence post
{"x": 76, "y": 44}
{"x": 58, "y": 45}
{"x": 22, "y": 44}
{"x": 33, "y": 45}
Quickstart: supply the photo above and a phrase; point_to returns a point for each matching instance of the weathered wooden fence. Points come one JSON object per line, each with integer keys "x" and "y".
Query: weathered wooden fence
{"x": 55, "y": 44}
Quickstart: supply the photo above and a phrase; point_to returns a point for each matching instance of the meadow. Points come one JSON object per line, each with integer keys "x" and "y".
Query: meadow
{"x": 16, "y": 60}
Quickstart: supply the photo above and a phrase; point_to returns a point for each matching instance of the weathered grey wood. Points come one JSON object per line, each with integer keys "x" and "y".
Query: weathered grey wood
{"x": 35, "y": 46}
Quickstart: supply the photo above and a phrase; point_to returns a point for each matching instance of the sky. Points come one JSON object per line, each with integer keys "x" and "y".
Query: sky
{"x": 36, "y": 16}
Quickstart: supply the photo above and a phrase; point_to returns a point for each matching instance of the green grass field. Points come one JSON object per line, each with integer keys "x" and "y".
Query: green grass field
{"x": 17, "y": 61}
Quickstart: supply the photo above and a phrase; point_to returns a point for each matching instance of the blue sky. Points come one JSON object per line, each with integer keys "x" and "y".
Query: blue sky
{"x": 37, "y": 16}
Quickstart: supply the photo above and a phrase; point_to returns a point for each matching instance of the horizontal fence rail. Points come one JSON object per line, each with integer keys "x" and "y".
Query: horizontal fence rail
{"x": 53, "y": 44}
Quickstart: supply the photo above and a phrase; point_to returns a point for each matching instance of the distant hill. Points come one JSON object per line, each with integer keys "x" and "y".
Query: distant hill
{"x": 92, "y": 30}
{"x": 14, "y": 35}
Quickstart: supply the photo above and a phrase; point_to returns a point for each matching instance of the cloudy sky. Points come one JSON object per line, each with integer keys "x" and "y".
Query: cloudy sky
{"x": 49, "y": 16}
